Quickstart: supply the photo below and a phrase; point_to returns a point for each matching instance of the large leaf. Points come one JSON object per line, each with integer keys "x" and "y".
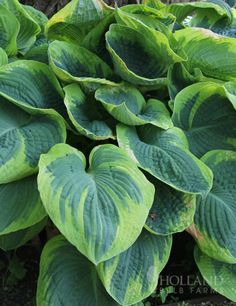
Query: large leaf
{"x": 32, "y": 86}
{"x": 126, "y": 104}
{"x": 87, "y": 115}
{"x": 215, "y": 220}
{"x": 68, "y": 278}
{"x": 100, "y": 210}
{"x": 29, "y": 29}
{"x": 165, "y": 155}
{"x": 206, "y": 116}
{"x": 10, "y": 27}
{"x": 76, "y": 19}
{"x": 205, "y": 13}
{"x": 219, "y": 275}
{"x": 23, "y": 138}
{"x": 172, "y": 211}
{"x": 73, "y": 63}
{"x": 148, "y": 16}
{"x": 138, "y": 56}
{"x": 17, "y": 239}
{"x": 19, "y": 212}
{"x": 206, "y": 51}
{"x": 132, "y": 275}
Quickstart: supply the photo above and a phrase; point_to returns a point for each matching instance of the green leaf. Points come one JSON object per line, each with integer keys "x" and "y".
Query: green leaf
{"x": 138, "y": 56}
{"x": 206, "y": 50}
{"x": 148, "y": 16}
{"x": 219, "y": 275}
{"x": 3, "y": 57}
{"x": 214, "y": 223}
{"x": 132, "y": 275}
{"x": 29, "y": 29}
{"x": 68, "y": 278}
{"x": 72, "y": 63}
{"x": 95, "y": 124}
{"x": 76, "y": 19}
{"x": 100, "y": 210}
{"x": 126, "y": 104}
{"x": 205, "y": 13}
{"x": 32, "y": 86}
{"x": 165, "y": 155}
{"x": 172, "y": 211}
{"x": 9, "y": 30}
{"x": 16, "y": 239}
{"x": 19, "y": 212}
{"x": 206, "y": 116}
{"x": 23, "y": 138}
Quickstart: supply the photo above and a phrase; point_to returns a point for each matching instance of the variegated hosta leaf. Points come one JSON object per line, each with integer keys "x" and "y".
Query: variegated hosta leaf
{"x": 138, "y": 56}
{"x": 132, "y": 275}
{"x": 126, "y": 104}
{"x": 87, "y": 115}
{"x": 206, "y": 116}
{"x": 72, "y": 63}
{"x": 68, "y": 278}
{"x": 20, "y": 205}
{"x": 9, "y": 30}
{"x": 215, "y": 220}
{"x": 165, "y": 155}
{"x": 151, "y": 17}
{"x": 16, "y": 239}
{"x": 3, "y": 57}
{"x": 206, "y": 50}
{"x": 29, "y": 29}
{"x": 220, "y": 276}
{"x": 205, "y": 14}
{"x": 76, "y": 19}
{"x": 172, "y": 211}
{"x": 23, "y": 138}
{"x": 32, "y": 86}
{"x": 100, "y": 210}
{"x": 179, "y": 78}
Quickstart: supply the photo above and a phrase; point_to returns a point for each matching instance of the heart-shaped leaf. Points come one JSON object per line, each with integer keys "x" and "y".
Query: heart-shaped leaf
{"x": 87, "y": 115}
{"x": 165, "y": 155}
{"x": 126, "y": 104}
{"x": 132, "y": 275}
{"x": 138, "y": 57}
{"x": 100, "y": 210}
{"x": 72, "y": 63}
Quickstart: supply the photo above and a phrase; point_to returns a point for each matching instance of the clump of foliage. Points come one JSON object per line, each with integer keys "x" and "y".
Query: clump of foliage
{"x": 151, "y": 89}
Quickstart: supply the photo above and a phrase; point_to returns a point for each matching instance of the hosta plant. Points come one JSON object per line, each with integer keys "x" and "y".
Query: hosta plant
{"x": 119, "y": 125}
